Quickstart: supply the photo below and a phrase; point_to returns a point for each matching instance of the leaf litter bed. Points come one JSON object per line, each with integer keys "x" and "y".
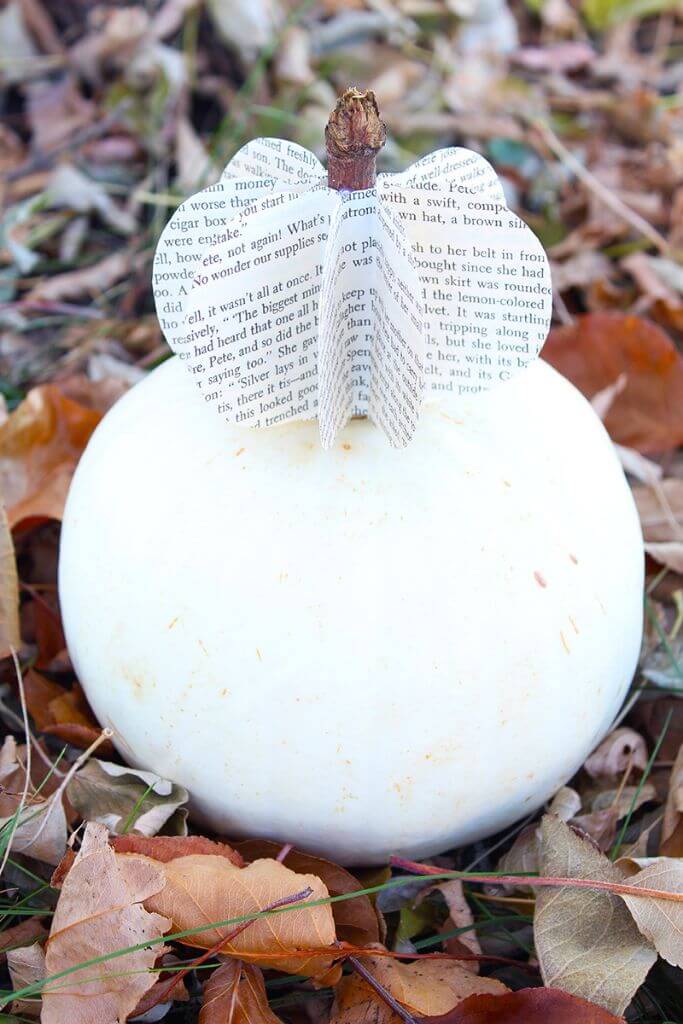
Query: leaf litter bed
{"x": 110, "y": 115}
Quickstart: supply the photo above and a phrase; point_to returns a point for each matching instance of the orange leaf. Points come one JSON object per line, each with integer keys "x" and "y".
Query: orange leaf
{"x": 236, "y": 994}
{"x": 426, "y": 988}
{"x": 203, "y": 888}
{"x": 40, "y": 445}
{"x": 598, "y": 348}
{"x": 356, "y": 920}
{"x": 166, "y": 848}
{"x": 528, "y": 1006}
{"x": 9, "y": 590}
{"x": 62, "y": 713}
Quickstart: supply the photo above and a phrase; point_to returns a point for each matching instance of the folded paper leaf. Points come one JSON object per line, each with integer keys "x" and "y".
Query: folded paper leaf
{"x": 287, "y": 299}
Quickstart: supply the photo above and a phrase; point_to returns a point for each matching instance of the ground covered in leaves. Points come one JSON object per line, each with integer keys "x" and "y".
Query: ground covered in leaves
{"x": 111, "y": 114}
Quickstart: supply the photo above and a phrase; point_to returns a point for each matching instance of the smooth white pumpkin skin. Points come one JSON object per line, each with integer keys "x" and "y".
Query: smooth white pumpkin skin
{"x": 362, "y": 651}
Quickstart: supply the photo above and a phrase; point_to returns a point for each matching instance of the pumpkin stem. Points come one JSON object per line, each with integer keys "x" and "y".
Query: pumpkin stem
{"x": 354, "y": 136}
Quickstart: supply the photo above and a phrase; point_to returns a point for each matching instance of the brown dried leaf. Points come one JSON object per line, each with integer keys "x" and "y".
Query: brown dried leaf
{"x": 9, "y": 590}
{"x": 99, "y": 911}
{"x": 236, "y": 994}
{"x": 40, "y": 444}
{"x": 586, "y": 941}
{"x": 356, "y": 920}
{"x": 62, "y": 713}
{"x": 660, "y": 921}
{"x": 201, "y": 889}
{"x": 39, "y": 829}
{"x": 166, "y": 848}
{"x": 597, "y": 348}
{"x": 528, "y": 1006}
{"x": 86, "y": 281}
{"x": 26, "y": 933}
{"x": 672, "y": 825}
{"x": 426, "y": 988}
{"x": 459, "y": 916}
{"x": 26, "y": 966}
{"x": 623, "y": 747}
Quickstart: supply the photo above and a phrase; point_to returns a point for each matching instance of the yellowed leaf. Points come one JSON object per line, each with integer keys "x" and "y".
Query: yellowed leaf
{"x": 236, "y": 994}
{"x": 99, "y": 911}
{"x": 426, "y": 988}
{"x": 9, "y": 589}
{"x": 202, "y": 889}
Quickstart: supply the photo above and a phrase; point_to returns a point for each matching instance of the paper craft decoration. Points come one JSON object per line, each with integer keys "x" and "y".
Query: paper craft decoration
{"x": 287, "y": 299}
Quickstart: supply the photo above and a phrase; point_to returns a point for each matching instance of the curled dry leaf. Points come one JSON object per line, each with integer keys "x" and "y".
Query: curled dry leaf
{"x": 623, "y": 748}
{"x": 427, "y": 988}
{"x": 125, "y": 799}
{"x": 26, "y": 933}
{"x": 165, "y": 848}
{"x": 86, "y": 281}
{"x": 99, "y": 911}
{"x": 586, "y": 941}
{"x": 38, "y": 828}
{"x": 672, "y": 826}
{"x": 459, "y": 916}
{"x": 597, "y": 348}
{"x": 40, "y": 444}
{"x": 356, "y": 920}
{"x": 659, "y": 921}
{"x": 203, "y": 889}
{"x": 9, "y": 590}
{"x": 528, "y": 1006}
{"x": 60, "y": 712}
{"x": 26, "y": 966}
{"x": 236, "y": 994}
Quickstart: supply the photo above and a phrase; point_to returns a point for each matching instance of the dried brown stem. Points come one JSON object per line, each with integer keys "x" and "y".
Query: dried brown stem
{"x": 354, "y": 136}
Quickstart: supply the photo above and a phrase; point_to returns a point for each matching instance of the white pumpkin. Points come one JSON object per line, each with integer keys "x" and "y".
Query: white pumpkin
{"x": 361, "y": 651}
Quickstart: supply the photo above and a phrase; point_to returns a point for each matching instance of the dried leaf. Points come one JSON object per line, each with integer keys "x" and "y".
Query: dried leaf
{"x": 621, "y": 749}
{"x": 459, "y": 916}
{"x": 40, "y": 445}
{"x": 165, "y": 848}
{"x": 124, "y": 799}
{"x": 26, "y": 933}
{"x": 9, "y": 590}
{"x": 528, "y": 1006}
{"x": 201, "y": 889}
{"x": 69, "y": 187}
{"x": 672, "y": 825}
{"x": 62, "y": 713}
{"x": 85, "y": 281}
{"x": 597, "y": 348}
{"x": 356, "y": 920}
{"x": 39, "y": 827}
{"x": 427, "y": 988}
{"x": 660, "y": 921}
{"x": 99, "y": 911}
{"x": 586, "y": 941}
{"x": 26, "y": 966}
{"x": 236, "y": 994}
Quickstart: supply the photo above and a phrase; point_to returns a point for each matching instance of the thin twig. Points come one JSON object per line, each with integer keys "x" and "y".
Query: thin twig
{"x": 534, "y": 881}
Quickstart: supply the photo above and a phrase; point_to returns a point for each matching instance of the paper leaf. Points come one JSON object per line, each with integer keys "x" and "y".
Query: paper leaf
{"x": 121, "y": 797}
{"x": 660, "y": 921}
{"x": 427, "y": 283}
{"x": 485, "y": 284}
{"x": 586, "y": 941}
{"x": 528, "y": 1006}
{"x": 201, "y": 889}
{"x": 426, "y": 988}
{"x": 99, "y": 911}
{"x": 236, "y": 994}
